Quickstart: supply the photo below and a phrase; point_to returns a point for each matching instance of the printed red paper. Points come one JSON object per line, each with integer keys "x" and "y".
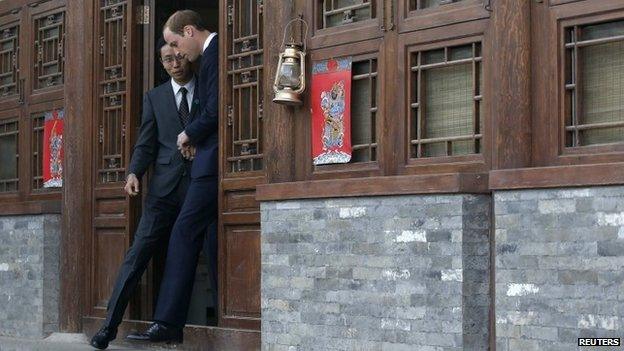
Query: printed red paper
{"x": 331, "y": 111}
{"x": 53, "y": 149}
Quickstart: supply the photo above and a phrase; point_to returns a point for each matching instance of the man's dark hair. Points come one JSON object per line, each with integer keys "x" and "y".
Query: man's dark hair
{"x": 160, "y": 43}
{"x": 183, "y": 18}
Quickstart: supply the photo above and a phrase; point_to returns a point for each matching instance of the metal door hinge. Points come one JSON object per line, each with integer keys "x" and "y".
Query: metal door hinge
{"x": 230, "y": 115}
{"x": 488, "y": 5}
{"x": 101, "y": 134}
{"x": 143, "y": 14}
{"x": 21, "y": 84}
{"x": 261, "y": 108}
{"x": 388, "y": 16}
{"x": 230, "y": 15}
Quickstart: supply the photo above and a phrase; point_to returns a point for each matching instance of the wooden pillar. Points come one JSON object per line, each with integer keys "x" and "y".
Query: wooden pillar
{"x": 279, "y": 123}
{"x": 77, "y": 176}
{"x": 511, "y": 81}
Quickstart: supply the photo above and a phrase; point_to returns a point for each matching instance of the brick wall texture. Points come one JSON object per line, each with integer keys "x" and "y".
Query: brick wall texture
{"x": 559, "y": 267}
{"x": 379, "y": 273}
{"x": 29, "y": 275}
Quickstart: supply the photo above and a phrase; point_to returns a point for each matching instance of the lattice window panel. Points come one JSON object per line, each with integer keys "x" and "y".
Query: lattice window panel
{"x": 594, "y": 84}
{"x": 445, "y": 107}
{"x": 112, "y": 90}
{"x": 9, "y": 60}
{"x": 49, "y": 49}
{"x": 364, "y": 97}
{"x": 244, "y": 70}
{"x": 9, "y": 155}
{"x": 333, "y": 13}
{"x": 425, "y": 4}
{"x": 37, "y": 150}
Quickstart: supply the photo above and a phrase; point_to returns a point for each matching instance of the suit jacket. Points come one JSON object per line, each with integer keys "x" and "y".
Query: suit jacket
{"x": 160, "y": 126}
{"x": 204, "y": 129}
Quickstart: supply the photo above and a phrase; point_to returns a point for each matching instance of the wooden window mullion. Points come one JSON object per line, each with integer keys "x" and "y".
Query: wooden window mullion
{"x": 420, "y": 122}
{"x": 577, "y": 86}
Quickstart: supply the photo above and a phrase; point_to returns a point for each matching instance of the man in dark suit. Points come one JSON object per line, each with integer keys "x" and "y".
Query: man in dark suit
{"x": 167, "y": 110}
{"x": 185, "y": 32}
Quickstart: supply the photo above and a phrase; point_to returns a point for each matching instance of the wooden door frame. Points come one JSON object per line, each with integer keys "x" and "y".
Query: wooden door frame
{"x": 78, "y": 175}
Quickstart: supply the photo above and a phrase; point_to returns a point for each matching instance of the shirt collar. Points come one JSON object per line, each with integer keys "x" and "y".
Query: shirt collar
{"x": 190, "y": 86}
{"x": 208, "y": 40}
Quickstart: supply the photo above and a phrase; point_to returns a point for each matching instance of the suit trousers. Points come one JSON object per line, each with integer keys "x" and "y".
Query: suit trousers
{"x": 159, "y": 215}
{"x": 198, "y": 212}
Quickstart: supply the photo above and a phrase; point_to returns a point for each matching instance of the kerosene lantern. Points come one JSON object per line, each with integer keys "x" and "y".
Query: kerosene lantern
{"x": 290, "y": 76}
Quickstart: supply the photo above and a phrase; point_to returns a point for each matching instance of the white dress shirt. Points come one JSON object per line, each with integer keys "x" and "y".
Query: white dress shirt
{"x": 208, "y": 40}
{"x": 190, "y": 88}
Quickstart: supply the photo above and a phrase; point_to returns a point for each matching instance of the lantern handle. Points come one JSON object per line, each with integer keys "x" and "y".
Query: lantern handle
{"x": 303, "y": 39}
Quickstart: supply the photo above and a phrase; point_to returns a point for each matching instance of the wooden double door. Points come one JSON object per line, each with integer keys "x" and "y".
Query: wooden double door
{"x": 124, "y": 66}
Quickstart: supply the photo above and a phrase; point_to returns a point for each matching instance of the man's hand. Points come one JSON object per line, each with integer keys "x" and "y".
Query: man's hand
{"x": 132, "y": 185}
{"x": 183, "y": 140}
{"x": 188, "y": 152}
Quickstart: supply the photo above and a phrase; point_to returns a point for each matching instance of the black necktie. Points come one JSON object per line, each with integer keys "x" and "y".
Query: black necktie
{"x": 183, "y": 111}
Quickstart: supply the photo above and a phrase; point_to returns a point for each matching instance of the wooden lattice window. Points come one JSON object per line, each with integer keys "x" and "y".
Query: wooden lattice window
{"x": 9, "y": 60}
{"x": 38, "y": 121}
{"x": 335, "y": 13}
{"x": 594, "y": 84}
{"x": 425, "y": 4}
{"x": 364, "y": 97}
{"x": 49, "y": 31}
{"x": 245, "y": 61}
{"x": 445, "y": 94}
{"x": 112, "y": 90}
{"x": 9, "y": 155}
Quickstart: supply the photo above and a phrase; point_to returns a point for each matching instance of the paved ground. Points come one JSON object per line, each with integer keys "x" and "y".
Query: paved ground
{"x": 59, "y": 342}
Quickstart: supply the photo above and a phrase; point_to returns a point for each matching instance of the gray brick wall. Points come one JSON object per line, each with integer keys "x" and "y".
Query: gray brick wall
{"x": 29, "y": 275}
{"x": 559, "y": 267}
{"x": 379, "y": 273}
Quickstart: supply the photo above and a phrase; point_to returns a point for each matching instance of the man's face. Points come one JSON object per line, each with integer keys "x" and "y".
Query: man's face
{"x": 183, "y": 45}
{"x": 178, "y": 67}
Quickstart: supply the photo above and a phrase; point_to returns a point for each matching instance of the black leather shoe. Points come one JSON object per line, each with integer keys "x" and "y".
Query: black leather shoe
{"x": 158, "y": 333}
{"x": 101, "y": 339}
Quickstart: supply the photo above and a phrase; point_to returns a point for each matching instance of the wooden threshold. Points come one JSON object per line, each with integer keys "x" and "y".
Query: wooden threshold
{"x": 196, "y": 338}
{"x": 557, "y": 176}
{"x": 375, "y": 186}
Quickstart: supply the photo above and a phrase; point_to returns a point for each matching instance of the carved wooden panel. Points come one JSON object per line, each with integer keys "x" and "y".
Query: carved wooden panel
{"x": 109, "y": 252}
{"x": 9, "y": 60}
{"x": 244, "y": 86}
{"x": 242, "y": 260}
{"x": 111, "y": 73}
{"x": 49, "y": 50}
{"x": 116, "y": 98}
{"x": 241, "y": 122}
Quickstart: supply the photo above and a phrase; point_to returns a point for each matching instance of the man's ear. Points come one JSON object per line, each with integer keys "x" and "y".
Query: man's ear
{"x": 189, "y": 31}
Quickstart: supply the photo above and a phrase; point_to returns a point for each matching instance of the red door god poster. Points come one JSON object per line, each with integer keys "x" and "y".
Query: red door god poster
{"x": 331, "y": 111}
{"x": 53, "y": 149}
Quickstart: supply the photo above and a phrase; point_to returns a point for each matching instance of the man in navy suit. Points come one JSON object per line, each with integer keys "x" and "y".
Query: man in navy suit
{"x": 167, "y": 110}
{"x": 185, "y": 32}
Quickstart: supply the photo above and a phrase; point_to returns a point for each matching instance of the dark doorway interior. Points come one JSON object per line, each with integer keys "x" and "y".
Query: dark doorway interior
{"x": 202, "y": 310}
{"x": 208, "y": 9}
